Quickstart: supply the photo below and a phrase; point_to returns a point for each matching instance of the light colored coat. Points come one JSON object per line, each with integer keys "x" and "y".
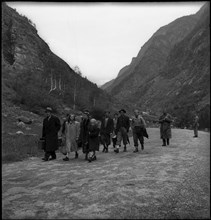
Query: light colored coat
{"x": 165, "y": 126}
{"x": 72, "y": 131}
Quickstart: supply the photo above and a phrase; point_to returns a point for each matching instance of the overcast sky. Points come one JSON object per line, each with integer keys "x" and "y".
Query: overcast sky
{"x": 100, "y": 38}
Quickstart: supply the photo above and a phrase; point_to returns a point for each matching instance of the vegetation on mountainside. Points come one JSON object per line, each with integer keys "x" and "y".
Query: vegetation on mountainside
{"x": 172, "y": 70}
{"x": 35, "y": 77}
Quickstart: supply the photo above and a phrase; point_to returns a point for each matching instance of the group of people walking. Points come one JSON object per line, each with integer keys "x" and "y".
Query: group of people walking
{"x": 88, "y": 133}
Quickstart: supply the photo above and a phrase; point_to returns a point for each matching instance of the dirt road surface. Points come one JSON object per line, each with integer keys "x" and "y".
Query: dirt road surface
{"x": 157, "y": 183}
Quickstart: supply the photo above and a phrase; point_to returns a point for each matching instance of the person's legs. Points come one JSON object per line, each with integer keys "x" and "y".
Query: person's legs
{"x": 103, "y": 142}
{"x": 46, "y": 156}
{"x": 164, "y": 142}
{"x": 135, "y": 140}
{"x": 118, "y": 143}
{"x": 195, "y": 132}
{"x": 125, "y": 138}
{"x": 66, "y": 157}
{"x": 53, "y": 155}
{"x": 167, "y": 141}
{"x": 141, "y": 139}
{"x": 108, "y": 142}
{"x": 92, "y": 156}
{"x": 76, "y": 154}
{"x": 114, "y": 140}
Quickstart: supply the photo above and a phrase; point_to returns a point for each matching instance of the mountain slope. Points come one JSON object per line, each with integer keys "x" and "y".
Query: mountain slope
{"x": 32, "y": 75}
{"x": 173, "y": 70}
{"x": 152, "y": 55}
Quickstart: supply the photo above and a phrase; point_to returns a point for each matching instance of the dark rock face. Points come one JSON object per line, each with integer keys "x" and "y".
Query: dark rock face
{"x": 36, "y": 77}
{"x": 172, "y": 69}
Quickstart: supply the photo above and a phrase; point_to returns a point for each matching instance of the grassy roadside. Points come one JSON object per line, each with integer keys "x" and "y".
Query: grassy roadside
{"x": 16, "y": 147}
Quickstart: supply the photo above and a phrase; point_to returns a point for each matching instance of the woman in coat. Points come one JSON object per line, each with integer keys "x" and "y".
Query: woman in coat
{"x": 93, "y": 139}
{"x": 71, "y": 130}
{"x": 165, "y": 127}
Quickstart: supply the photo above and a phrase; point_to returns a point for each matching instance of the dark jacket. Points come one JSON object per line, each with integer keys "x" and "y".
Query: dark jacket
{"x": 123, "y": 121}
{"x": 108, "y": 129}
{"x": 50, "y": 133}
{"x": 93, "y": 138}
{"x": 83, "y": 136}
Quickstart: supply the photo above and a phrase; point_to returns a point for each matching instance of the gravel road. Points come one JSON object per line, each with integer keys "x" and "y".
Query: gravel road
{"x": 170, "y": 182}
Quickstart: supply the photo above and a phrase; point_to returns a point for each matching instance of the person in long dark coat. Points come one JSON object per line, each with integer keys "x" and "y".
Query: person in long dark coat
{"x": 165, "y": 127}
{"x": 93, "y": 140}
{"x": 83, "y": 136}
{"x": 51, "y": 127}
{"x": 106, "y": 130}
{"x": 122, "y": 128}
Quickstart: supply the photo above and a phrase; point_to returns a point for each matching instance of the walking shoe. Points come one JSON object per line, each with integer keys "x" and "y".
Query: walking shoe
{"x": 45, "y": 159}
{"x": 195, "y": 136}
{"x": 66, "y": 159}
{"x": 93, "y": 158}
{"x": 136, "y": 150}
{"x": 142, "y": 147}
{"x": 125, "y": 149}
{"x": 52, "y": 158}
{"x": 116, "y": 150}
{"x": 106, "y": 151}
{"x": 163, "y": 144}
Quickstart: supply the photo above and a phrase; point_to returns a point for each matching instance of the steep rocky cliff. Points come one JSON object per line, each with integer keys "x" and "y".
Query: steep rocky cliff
{"x": 152, "y": 55}
{"x": 32, "y": 75}
{"x": 172, "y": 70}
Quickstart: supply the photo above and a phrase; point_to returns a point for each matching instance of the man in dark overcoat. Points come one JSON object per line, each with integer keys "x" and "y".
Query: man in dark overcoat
{"x": 84, "y": 135}
{"x": 106, "y": 130}
{"x": 122, "y": 128}
{"x": 51, "y": 127}
{"x": 165, "y": 127}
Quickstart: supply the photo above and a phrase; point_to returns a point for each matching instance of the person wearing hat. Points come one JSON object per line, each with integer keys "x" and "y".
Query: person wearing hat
{"x": 71, "y": 130}
{"x": 106, "y": 130}
{"x": 83, "y": 136}
{"x": 138, "y": 126}
{"x": 51, "y": 127}
{"x": 122, "y": 128}
{"x": 165, "y": 127}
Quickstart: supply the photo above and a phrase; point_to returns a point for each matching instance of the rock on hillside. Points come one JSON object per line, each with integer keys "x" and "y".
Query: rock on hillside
{"x": 35, "y": 77}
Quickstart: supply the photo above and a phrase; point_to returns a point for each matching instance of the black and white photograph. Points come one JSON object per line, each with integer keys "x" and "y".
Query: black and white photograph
{"x": 105, "y": 110}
